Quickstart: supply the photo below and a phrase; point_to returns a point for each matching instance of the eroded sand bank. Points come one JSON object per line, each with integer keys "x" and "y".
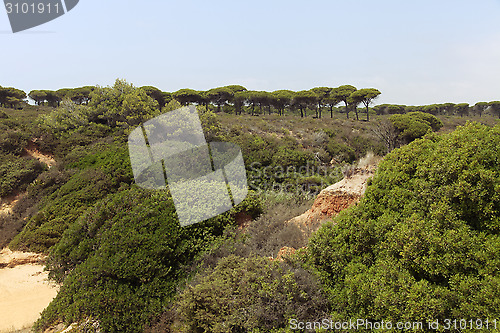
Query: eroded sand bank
{"x": 24, "y": 290}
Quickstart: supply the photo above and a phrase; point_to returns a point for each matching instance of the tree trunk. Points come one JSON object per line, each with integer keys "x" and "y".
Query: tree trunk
{"x": 367, "y": 114}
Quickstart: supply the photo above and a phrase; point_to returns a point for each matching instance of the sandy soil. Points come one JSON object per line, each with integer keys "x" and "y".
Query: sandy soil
{"x": 355, "y": 184}
{"x": 8, "y": 203}
{"x": 43, "y": 158}
{"x": 334, "y": 199}
{"x": 340, "y": 195}
{"x": 24, "y": 290}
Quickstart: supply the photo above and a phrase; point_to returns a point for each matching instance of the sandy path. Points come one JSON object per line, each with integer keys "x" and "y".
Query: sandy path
{"x": 43, "y": 158}
{"x": 7, "y": 203}
{"x": 24, "y": 290}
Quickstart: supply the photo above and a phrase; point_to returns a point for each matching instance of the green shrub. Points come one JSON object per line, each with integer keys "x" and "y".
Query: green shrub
{"x": 263, "y": 237}
{"x": 414, "y": 125}
{"x": 256, "y": 149}
{"x": 423, "y": 243}
{"x": 13, "y": 142}
{"x": 341, "y": 152}
{"x": 211, "y": 126}
{"x": 103, "y": 171}
{"x": 67, "y": 117}
{"x": 44, "y": 185}
{"x": 363, "y": 144}
{"x": 121, "y": 105}
{"x": 18, "y": 178}
{"x": 249, "y": 294}
{"x": 83, "y": 139}
{"x": 16, "y": 173}
{"x": 285, "y": 157}
{"x": 122, "y": 260}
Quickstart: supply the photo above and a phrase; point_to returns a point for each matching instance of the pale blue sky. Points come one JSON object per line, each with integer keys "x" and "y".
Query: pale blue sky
{"x": 415, "y": 52}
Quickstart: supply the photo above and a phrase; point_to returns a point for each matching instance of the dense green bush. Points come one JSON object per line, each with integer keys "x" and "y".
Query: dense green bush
{"x": 256, "y": 148}
{"x": 414, "y": 125}
{"x": 424, "y": 242}
{"x": 67, "y": 117}
{"x": 44, "y": 185}
{"x": 16, "y": 173}
{"x": 364, "y": 144}
{"x": 348, "y": 146}
{"x": 27, "y": 205}
{"x": 263, "y": 237}
{"x": 102, "y": 171}
{"x": 111, "y": 109}
{"x": 122, "y": 259}
{"x": 285, "y": 158}
{"x": 341, "y": 152}
{"x": 249, "y": 295}
{"x": 12, "y": 142}
{"x": 211, "y": 126}
{"x": 121, "y": 105}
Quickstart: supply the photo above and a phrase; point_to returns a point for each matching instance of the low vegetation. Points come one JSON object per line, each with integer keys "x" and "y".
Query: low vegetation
{"x": 422, "y": 244}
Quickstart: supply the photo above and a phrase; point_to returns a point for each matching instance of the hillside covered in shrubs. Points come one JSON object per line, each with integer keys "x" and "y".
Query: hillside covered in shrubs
{"x": 422, "y": 244}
